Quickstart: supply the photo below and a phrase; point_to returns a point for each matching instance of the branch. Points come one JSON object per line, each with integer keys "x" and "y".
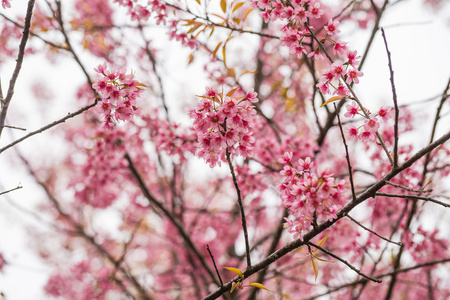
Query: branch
{"x": 215, "y": 266}
{"x": 345, "y": 262}
{"x": 12, "y": 82}
{"x": 394, "y": 98}
{"x": 172, "y": 219}
{"x": 413, "y": 197}
{"x": 48, "y": 126}
{"x": 16, "y": 188}
{"x": 373, "y": 232}
{"x": 370, "y": 192}
{"x": 241, "y": 207}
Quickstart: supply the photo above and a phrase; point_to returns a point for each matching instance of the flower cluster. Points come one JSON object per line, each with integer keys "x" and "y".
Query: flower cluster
{"x": 371, "y": 124}
{"x": 310, "y": 197}
{"x": 143, "y": 13}
{"x": 223, "y": 123}
{"x": 332, "y": 79}
{"x": 118, "y": 92}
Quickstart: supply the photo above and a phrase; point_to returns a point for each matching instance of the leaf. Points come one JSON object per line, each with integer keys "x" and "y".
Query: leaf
{"x": 224, "y": 55}
{"x": 321, "y": 259}
{"x": 223, "y": 5}
{"x": 232, "y": 92}
{"x": 316, "y": 271}
{"x": 198, "y": 1}
{"x": 246, "y": 13}
{"x": 332, "y": 99}
{"x": 235, "y": 284}
{"x": 237, "y": 6}
{"x": 214, "y": 53}
{"x": 320, "y": 243}
{"x": 286, "y": 296}
{"x": 259, "y": 285}
{"x": 249, "y": 72}
{"x": 235, "y": 270}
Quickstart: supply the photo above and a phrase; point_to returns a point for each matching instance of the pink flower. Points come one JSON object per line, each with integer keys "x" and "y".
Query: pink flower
{"x": 251, "y": 96}
{"x": 316, "y": 11}
{"x": 385, "y": 113}
{"x": 316, "y": 55}
{"x": 287, "y": 157}
{"x": 338, "y": 70}
{"x": 6, "y": 4}
{"x": 324, "y": 88}
{"x": 353, "y": 58}
{"x": 331, "y": 28}
{"x": 306, "y": 164}
{"x": 339, "y": 47}
{"x": 341, "y": 91}
{"x": 353, "y": 75}
{"x": 371, "y": 125}
{"x": 367, "y": 136}
{"x": 352, "y": 110}
{"x": 352, "y": 133}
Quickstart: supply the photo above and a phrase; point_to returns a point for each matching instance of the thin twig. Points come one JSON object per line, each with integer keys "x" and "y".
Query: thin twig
{"x": 15, "y": 127}
{"x": 241, "y": 207}
{"x": 347, "y": 156}
{"x": 413, "y": 197}
{"x": 409, "y": 189}
{"x": 215, "y": 266}
{"x": 394, "y": 98}
{"x": 8, "y": 191}
{"x": 12, "y": 82}
{"x": 373, "y": 232}
{"x": 345, "y": 262}
{"x": 48, "y": 126}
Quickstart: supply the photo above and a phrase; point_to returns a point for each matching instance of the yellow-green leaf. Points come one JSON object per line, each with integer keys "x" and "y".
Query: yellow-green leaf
{"x": 320, "y": 243}
{"x": 259, "y": 285}
{"x": 223, "y": 5}
{"x": 235, "y": 270}
{"x": 332, "y": 99}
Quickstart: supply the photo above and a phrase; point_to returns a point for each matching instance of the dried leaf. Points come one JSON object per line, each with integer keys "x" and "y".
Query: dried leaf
{"x": 332, "y": 99}
{"x": 285, "y": 296}
{"x": 235, "y": 284}
{"x": 198, "y": 1}
{"x": 246, "y": 13}
{"x": 214, "y": 53}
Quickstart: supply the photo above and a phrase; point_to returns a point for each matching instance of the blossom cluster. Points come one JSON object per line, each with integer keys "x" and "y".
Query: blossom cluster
{"x": 224, "y": 123}
{"x": 366, "y": 132}
{"x": 142, "y": 13}
{"x": 309, "y": 196}
{"x": 119, "y": 92}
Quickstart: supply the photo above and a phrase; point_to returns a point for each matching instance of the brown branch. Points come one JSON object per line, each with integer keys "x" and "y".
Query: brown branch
{"x": 8, "y": 191}
{"x": 344, "y": 262}
{"x": 214, "y": 263}
{"x": 413, "y": 197}
{"x": 12, "y": 82}
{"x": 241, "y": 208}
{"x": 169, "y": 215}
{"x": 370, "y": 192}
{"x": 48, "y": 126}
{"x": 373, "y": 232}
{"x": 394, "y": 98}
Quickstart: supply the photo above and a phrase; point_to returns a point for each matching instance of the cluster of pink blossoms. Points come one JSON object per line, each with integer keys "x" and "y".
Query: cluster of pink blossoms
{"x": 118, "y": 92}
{"x": 310, "y": 197}
{"x": 371, "y": 124}
{"x": 223, "y": 123}
{"x": 143, "y": 13}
